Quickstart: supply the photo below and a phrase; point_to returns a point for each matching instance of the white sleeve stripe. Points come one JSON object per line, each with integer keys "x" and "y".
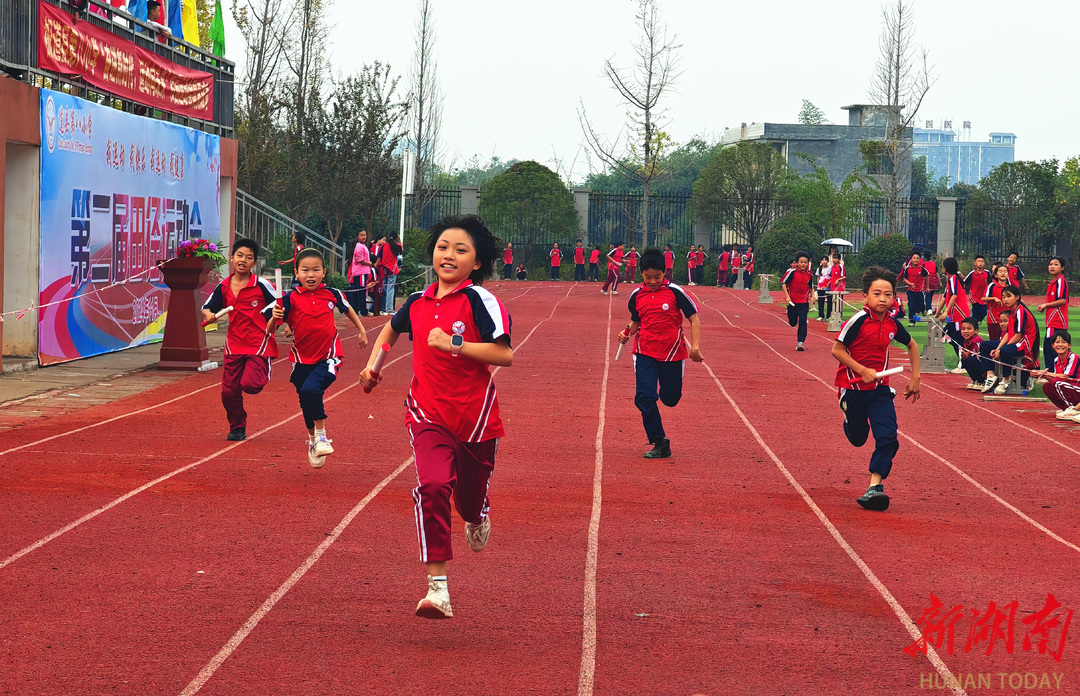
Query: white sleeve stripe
{"x": 491, "y": 306}
{"x": 682, "y": 292}
{"x": 850, "y": 323}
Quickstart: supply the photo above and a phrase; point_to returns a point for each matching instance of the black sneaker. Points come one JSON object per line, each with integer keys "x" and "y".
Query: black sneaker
{"x": 237, "y": 434}
{"x": 661, "y": 449}
{"x": 874, "y": 498}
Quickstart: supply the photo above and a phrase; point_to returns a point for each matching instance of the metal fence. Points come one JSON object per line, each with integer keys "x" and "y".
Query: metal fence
{"x": 437, "y": 204}
{"x": 274, "y": 231}
{"x": 19, "y": 51}
{"x": 999, "y": 230}
{"x": 616, "y": 217}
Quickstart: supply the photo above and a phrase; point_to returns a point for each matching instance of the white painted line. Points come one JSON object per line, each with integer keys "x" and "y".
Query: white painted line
{"x": 253, "y": 621}
{"x": 905, "y": 620}
{"x": 588, "y": 632}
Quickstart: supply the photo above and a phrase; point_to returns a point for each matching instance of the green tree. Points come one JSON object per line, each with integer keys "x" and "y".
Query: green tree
{"x": 924, "y": 186}
{"x": 741, "y": 187}
{"x": 1017, "y": 201}
{"x": 834, "y": 211}
{"x": 788, "y": 236}
{"x": 810, "y": 115}
{"x": 529, "y": 204}
{"x": 684, "y": 163}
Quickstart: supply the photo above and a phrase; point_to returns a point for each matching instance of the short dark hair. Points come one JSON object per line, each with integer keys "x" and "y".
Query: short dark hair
{"x": 301, "y": 236}
{"x": 951, "y": 266}
{"x": 968, "y": 320}
{"x": 310, "y": 253}
{"x": 245, "y": 243}
{"x": 484, "y": 242}
{"x": 1059, "y": 260}
{"x": 1063, "y": 335}
{"x": 800, "y": 255}
{"x": 667, "y": 246}
{"x": 876, "y": 273}
{"x": 652, "y": 259}
{"x": 979, "y": 256}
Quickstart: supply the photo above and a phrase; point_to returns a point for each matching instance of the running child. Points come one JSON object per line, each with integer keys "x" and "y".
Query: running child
{"x": 862, "y": 348}
{"x": 579, "y": 261}
{"x": 978, "y": 284}
{"x": 1021, "y": 344}
{"x": 458, "y": 330}
{"x": 799, "y": 292}
{"x": 614, "y": 262}
{"x": 1063, "y": 385}
{"x": 1056, "y": 306}
{"x": 954, "y": 307}
{"x": 556, "y": 260}
{"x": 657, "y": 309}
{"x": 249, "y": 347}
{"x": 914, "y": 277}
{"x": 316, "y": 353}
{"x": 669, "y": 263}
{"x": 631, "y": 263}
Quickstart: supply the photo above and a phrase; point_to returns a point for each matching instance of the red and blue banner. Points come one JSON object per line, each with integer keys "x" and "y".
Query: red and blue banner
{"x": 118, "y": 193}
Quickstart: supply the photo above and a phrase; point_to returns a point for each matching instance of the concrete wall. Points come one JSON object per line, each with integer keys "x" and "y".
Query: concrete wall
{"x": 21, "y": 248}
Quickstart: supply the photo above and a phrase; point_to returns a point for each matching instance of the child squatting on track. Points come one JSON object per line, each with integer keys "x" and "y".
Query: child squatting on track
{"x": 316, "y": 354}
{"x": 249, "y": 347}
{"x": 656, "y": 313}
{"x": 458, "y": 330}
{"x": 866, "y": 399}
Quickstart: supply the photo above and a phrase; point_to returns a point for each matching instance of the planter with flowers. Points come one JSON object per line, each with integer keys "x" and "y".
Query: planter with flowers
{"x": 183, "y": 346}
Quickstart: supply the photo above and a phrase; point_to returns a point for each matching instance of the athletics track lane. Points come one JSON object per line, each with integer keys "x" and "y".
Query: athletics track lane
{"x": 129, "y": 579}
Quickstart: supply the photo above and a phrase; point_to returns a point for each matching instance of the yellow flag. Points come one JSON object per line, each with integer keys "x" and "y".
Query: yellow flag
{"x": 191, "y": 22}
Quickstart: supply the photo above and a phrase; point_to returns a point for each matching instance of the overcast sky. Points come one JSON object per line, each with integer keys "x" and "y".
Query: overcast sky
{"x": 514, "y": 73}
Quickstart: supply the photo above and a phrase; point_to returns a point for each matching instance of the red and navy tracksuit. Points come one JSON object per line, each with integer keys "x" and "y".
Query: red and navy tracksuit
{"x": 452, "y": 410}
{"x": 869, "y": 407}
{"x": 978, "y": 283}
{"x": 799, "y": 285}
{"x": 959, "y": 312}
{"x": 1064, "y": 393}
{"x": 1021, "y": 323}
{"x": 1056, "y": 317}
{"x": 249, "y": 348}
{"x": 659, "y": 350}
{"x": 316, "y": 351}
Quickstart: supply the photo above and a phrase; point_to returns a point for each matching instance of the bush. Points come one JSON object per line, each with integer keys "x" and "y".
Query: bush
{"x": 777, "y": 247}
{"x": 889, "y": 251}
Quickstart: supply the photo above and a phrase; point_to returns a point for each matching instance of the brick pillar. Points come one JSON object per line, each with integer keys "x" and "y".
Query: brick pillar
{"x": 946, "y": 226}
{"x": 470, "y": 200}
{"x": 581, "y": 206}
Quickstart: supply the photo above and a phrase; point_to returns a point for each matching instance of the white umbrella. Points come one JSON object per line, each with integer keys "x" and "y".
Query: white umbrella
{"x": 836, "y": 241}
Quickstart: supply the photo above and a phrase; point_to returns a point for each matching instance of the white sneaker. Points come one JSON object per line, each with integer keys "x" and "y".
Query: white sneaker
{"x": 603, "y": 292}
{"x": 323, "y": 446}
{"x": 614, "y": 292}
{"x": 988, "y": 384}
{"x": 958, "y": 371}
{"x": 1076, "y": 418}
{"x": 1003, "y": 387}
{"x": 975, "y": 386}
{"x": 477, "y": 534}
{"x": 436, "y": 605}
{"x": 314, "y": 460}
{"x": 1068, "y": 414}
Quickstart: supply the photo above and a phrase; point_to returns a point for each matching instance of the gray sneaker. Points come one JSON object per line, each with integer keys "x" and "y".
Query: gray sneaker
{"x": 477, "y": 534}
{"x": 436, "y": 605}
{"x": 874, "y": 498}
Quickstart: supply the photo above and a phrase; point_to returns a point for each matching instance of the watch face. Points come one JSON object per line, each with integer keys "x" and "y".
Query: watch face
{"x": 457, "y": 341}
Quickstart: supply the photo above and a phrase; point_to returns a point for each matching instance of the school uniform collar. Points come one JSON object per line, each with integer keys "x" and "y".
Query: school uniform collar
{"x": 320, "y": 287}
{"x": 871, "y": 317}
{"x": 253, "y": 280}
{"x": 434, "y": 288}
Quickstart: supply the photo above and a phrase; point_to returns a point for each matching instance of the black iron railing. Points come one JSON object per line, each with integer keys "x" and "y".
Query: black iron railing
{"x": 19, "y": 50}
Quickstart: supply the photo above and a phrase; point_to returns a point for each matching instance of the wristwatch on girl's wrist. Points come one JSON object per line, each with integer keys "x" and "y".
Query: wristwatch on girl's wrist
{"x": 456, "y": 342}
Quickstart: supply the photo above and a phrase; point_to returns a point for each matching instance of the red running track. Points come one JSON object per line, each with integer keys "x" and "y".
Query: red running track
{"x": 742, "y": 565}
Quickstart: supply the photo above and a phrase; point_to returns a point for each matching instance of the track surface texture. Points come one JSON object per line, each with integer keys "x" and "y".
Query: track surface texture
{"x": 141, "y": 553}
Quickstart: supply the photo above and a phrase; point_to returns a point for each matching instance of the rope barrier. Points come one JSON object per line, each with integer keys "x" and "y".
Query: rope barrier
{"x": 20, "y": 313}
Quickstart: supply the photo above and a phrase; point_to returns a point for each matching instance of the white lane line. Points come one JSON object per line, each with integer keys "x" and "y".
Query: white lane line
{"x": 588, "y": 633}
{"x": 960, "y": 472}
{"x": 253, "y": 621}
{"x": 104, "y": 508}
{"x": 249, "y": 625}
{"x": 905, "y": 620}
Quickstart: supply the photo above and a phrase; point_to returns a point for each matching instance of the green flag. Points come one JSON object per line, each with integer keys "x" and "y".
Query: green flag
{"x": 217, "y": 31}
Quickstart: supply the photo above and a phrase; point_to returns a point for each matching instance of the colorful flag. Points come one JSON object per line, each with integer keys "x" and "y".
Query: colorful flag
{"x": 217, "y": 31}
{"x": 176, "y": 19}
{"x": 190, "y": 21}
{"x": 137, "y": 9}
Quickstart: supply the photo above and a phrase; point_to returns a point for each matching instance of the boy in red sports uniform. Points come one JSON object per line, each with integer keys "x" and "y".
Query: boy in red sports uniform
{"x": 316, "y": 353}
{"x": 913, "y": 276}
{"x": 862, "y": 348}
{"x": 657, "y": 309}
{"x": 954, "y": 308}
{"x": 556, "y": 260}
{"x": 1056, "y": 306}
{"x": 748, "y": 265}
{"x": 978, "y": 284}
{"x": 669, "y": 263}
{"x": 615, "y": 257}
{"x": 631, "y": 263}
{"x": 579, "y": 262}
{"x": 799, "y": 292}
{"x": 691, "y": 266}
{"x": 1016, "y": 276}
{"x": 971, "y": 358}
{"x": 722, "y": 268}
{"x": 249, "y": 347}
{"x": 508, "y": 261}
{"x": 458, "y": 331}
{"x": 594, "y": 264}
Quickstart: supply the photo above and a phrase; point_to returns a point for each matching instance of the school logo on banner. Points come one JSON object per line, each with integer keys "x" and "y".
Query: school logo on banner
{"x": 50, "y": 123}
